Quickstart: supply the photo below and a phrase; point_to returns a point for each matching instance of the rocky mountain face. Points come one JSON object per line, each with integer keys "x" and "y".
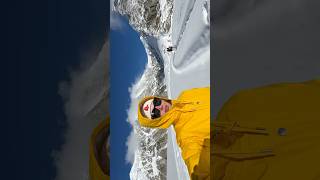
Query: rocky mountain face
{"x": 151, "y": 17}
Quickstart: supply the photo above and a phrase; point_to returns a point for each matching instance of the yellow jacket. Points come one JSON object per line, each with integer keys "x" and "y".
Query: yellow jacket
{"x": 96, "y": 172}
{"x": 190, "y": 117}
{"x": 269, "y": 133}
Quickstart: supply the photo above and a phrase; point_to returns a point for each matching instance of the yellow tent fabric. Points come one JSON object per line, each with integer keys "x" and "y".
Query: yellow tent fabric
{"x": 95, "y": 170}
{"x": 190, "y": 117}
{"x": 268, "y": 133}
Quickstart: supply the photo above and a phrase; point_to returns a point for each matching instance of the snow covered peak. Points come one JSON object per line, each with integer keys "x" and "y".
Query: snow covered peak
{"x": 150, "y": 159}
{"x": 150, "y": 17}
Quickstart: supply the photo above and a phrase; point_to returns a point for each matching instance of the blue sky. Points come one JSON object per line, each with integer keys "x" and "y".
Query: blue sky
{"x": 128, "y": 59}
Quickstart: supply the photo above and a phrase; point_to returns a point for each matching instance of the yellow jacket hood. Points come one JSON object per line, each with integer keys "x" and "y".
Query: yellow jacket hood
{"x": 188, "y": 101}
{"x": 190, "y": 117}
{"x": 164, "y": 121}
{"x": 96, "y": 172}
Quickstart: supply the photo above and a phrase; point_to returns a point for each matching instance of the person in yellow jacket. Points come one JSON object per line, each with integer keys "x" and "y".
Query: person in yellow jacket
{"x": 99, "y": 159}
{"x": 268, "y": 133}
{"x": 190, "y": 116}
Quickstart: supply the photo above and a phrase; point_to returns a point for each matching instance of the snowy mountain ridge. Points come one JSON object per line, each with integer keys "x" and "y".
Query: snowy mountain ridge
{"x": 150, "y": 161}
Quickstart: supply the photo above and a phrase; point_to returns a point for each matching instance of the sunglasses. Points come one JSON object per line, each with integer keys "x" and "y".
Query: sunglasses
{"x": 155, "y": 113}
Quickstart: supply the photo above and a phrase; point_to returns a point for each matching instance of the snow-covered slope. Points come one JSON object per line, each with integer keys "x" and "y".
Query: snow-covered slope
{"x": 191, "y": 36}
{"x": 183, "y": 24}
{"x": 189, "y": 66}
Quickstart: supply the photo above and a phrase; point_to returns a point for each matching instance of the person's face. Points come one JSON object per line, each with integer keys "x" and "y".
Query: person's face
{"x": 159, "y": 105}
